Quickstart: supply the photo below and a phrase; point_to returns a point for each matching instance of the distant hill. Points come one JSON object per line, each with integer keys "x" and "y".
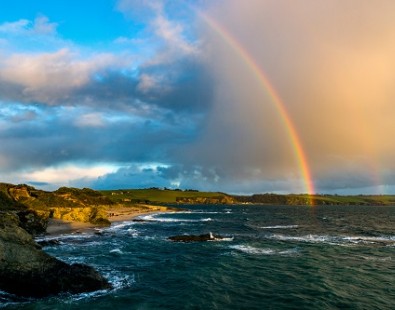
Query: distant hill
{"x": 177, "y": 196}
{"x": 162, "y": 196}
{"x": 87, "y": 205}
{"x": 304, "y": 199}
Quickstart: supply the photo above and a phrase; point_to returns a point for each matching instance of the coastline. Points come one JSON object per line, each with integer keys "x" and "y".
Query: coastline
{"x": 59, "y": 227}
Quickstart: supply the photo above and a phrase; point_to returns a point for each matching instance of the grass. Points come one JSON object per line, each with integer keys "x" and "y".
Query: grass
{"x": 155, "y": 195}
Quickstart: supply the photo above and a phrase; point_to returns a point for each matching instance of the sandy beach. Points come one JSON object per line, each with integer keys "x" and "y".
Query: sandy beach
{"x": 59, "y": 227}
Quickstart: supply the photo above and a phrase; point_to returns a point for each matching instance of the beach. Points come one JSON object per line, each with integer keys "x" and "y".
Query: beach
{"x": 59, "y": 227}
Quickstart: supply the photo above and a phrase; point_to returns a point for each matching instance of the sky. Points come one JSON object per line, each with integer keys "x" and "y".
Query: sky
{"x": 243, "y": 97}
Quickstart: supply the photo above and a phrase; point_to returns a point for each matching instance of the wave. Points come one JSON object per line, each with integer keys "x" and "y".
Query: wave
{"x": 116, "y": 251}
{"x": 117, "y": 281}
{"x": 7, "y": 299}
{"x": 70, "y": 236}
{"x": 259, "y": 251}
{"x": 336, "y": 240}
{"x": 389, "y": 240}
{"x": 196, "y": 212}
{"x": 152, "y": 218}
{"x": 377, "y": 259}
{"x": 280, "y": 227}
{"x": 226, "y": 239}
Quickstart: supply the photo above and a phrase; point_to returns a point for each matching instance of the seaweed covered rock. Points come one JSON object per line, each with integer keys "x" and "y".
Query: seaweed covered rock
{"x": 26, "y": 270}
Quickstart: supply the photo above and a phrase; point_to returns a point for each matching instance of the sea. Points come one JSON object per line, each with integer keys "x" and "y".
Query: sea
{"x": 268, "y": 257}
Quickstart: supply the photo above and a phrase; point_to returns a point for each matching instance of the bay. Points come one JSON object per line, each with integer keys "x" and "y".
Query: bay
{"x": 272, "y": 257}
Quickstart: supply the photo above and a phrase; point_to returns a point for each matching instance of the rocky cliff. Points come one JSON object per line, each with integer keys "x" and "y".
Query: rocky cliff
{"x": 70, "y": 204}
{"x": 26, "y": 270}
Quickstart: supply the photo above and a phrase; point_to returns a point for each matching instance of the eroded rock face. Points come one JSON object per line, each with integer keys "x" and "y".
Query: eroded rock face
{"x": 26, "y": 270}
{"x": 33, "y": 223}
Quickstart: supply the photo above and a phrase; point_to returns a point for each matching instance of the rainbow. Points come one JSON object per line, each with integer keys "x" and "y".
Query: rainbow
{"x": 274, "y": 96}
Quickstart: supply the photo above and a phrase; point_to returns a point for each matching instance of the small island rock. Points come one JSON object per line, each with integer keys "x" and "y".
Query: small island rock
{"x": 195, "y": 238}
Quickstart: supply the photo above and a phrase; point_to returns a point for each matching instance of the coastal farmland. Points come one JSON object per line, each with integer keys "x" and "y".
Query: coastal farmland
{"x": 156, "y": 195}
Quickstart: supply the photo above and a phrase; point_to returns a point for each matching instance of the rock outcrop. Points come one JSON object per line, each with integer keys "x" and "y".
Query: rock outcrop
{"x": 32, "y": 222}
{"x": 26, "y": 270}
{"x": 196, "y": 238}
{"x": 69, "y": 204}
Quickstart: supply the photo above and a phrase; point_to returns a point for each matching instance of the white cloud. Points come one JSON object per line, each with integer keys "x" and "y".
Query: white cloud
{"x": 170, "y": 32}
{"x": 173, "y": 35}
{"x": 64, "y": 175}
{"x": 40, "y": 26}
{"x": 16, "y": 27}
{"x": 49, "y": 77}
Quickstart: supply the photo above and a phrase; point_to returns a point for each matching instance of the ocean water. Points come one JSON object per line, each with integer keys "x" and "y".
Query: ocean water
{"x": 272, "y": 257}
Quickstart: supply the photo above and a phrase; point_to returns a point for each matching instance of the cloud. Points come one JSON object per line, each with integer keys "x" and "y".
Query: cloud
{"x": 49, "y": 78}
{"x": 23, "y": 27}
{"x": 90, "y": 120}
{"x": 169, "y": 34}
{"x": 177, "y": 105}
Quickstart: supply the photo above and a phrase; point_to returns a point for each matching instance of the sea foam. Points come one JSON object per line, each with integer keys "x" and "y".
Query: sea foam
{"x": 260, "y": 251}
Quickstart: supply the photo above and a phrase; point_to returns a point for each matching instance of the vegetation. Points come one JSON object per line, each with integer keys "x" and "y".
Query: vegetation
{"x": 319, "y": 199}
{"x": 159, "y": 196}
{"x": 164, "y": 196}
{"x": 84, "y": 205}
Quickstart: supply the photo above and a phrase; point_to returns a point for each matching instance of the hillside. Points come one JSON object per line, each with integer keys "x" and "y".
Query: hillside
{"x": 303, "y": 199}
{"x": 161, "y": 196}
{"x": 177, "y": 196}
{"x": 71, "y": 204}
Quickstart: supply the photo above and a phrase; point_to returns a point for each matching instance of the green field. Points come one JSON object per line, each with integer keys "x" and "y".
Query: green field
{"x": 156, "y": 195}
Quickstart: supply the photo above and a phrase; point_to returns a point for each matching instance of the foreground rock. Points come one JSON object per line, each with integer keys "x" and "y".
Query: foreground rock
{"x": 26, "y": 270}
{"x": 197, "y": 238}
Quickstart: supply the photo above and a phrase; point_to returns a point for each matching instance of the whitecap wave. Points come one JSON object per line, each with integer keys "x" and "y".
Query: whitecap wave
{"x": 153, "y": 218}
{"x": 387, "y": 240}
{"x": 336, "y": 240}
{"x": 305, "y": 238}
{"x": 220, "y": 238}
{"x": 223, "y": 239}
{"x": 116, "y": 251}
{"x": 120, "y": 281}
{"x": 71, "y": 236}
{"x": 377, "y": 259}
{"x": 120, "y": 225}
{"x": 262, "y": 251}
{"x": 280, "y": 227}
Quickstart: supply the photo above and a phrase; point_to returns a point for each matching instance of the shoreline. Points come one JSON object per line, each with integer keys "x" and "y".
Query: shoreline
{"x": 58, "y": 227}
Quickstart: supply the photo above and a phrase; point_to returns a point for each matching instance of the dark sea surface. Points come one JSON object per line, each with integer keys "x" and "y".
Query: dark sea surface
{"x": 273, "y": 257}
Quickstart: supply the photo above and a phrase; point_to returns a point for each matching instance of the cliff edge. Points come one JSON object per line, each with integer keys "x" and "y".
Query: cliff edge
{"x": 26, "y": 270}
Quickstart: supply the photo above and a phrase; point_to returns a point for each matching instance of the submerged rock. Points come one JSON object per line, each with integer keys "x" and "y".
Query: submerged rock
{"x": 196, "y": 238}
{"x": 26, "y": 270}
